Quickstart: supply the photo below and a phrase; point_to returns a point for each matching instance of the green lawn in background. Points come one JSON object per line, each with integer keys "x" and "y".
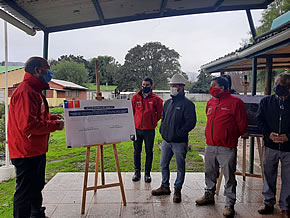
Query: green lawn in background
{"x": 62, "y": 159}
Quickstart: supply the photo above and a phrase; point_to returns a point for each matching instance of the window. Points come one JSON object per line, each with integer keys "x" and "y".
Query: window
{"x": 77, "y": 94}
{"x": 69, "y": 93}
{"x": 60, "y": 94}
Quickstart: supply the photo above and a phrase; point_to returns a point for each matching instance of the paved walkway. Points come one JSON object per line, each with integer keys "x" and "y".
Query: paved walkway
{"x": 63, "y": 195}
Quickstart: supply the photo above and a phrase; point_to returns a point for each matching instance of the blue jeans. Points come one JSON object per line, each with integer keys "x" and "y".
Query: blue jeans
{"x": 167, "y": 150}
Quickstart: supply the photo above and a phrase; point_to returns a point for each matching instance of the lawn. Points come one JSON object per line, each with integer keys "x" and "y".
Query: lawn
{"x": 62, "y": 159}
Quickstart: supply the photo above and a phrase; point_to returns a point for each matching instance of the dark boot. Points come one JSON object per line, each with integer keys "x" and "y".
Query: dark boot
{"x": 162, "y": 190}
{"x": 229, "y": 211}
{"x": 137, "y": 176}
{"x": 267, "y": 209}
{"x": 177, "y": 195}
{"x": 206, "y": 199}
{"x": 147, "y": 177}
{"x": 285, "y": 213}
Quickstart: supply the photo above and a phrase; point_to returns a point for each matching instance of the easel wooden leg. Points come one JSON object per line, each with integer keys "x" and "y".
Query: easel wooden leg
{"x": 97, "y": 167}
{"x": 85, "y": 181}
{"x": 102, "y": 165}
{"x": 119, "y": 175}
{"x": 219, "y": 182}
{"x": 244, "y": 159}
{"x": 260, "y": 150}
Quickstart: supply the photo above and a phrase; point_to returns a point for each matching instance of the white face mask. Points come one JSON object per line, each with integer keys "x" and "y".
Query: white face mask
{"x": 173, "y": 91}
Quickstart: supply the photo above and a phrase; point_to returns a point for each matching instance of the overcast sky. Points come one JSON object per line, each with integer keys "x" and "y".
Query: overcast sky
{"x": 199, "y": 39}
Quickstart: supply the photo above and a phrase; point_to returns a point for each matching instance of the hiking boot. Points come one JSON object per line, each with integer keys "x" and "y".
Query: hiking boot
{"x": 177, "y": 195}
{"x": 206, "y": 199}
{"x": 286, "y": 213}
{"x": 267, "y": 209}
{"x": 137, "y": 176}
{"x": 147, "y": 177}
{"x": 229, "y": 211}
{"x": 162, "y": 190}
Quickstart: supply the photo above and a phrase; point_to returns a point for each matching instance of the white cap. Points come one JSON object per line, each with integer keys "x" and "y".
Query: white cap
{"x": 178, "y": 79}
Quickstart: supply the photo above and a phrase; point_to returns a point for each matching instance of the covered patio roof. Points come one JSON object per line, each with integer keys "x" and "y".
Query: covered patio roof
{"x": 274, "y": 45}
{"x": 53, "y": 16}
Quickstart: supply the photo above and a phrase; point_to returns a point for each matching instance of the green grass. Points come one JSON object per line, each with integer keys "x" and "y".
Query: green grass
{"x": 62, "y": 159}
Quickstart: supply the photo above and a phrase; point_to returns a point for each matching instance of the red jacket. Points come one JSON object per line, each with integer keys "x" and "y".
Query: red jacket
{"x": 147, "y": 112}
{"x": 226, "y": 120}
{"x": 29, "y": 122}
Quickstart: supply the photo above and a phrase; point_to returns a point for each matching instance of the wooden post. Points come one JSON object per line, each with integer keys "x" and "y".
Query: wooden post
{"x": 99, "y": 93}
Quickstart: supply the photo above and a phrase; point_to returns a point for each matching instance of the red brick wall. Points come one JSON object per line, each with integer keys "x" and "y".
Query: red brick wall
{"x": 49, "y": 93}
{"x": 55, "y": 86}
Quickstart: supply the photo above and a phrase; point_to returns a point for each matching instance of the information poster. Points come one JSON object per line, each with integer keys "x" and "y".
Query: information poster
{"x": 91, "y": 122}
{"x": 252, "y": 106}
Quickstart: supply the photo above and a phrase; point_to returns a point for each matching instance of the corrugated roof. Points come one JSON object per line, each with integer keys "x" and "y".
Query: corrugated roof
{"x": 67, "y": 85}
{"x": 10, "y": 68}
{"x": 53, "y": 16}
{"x": 274, "y": 43}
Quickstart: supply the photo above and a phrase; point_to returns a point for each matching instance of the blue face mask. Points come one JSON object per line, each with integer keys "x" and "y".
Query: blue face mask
{"x": 48, "y": 76}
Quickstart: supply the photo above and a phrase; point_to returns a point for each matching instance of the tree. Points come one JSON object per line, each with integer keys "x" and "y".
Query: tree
{"x": 107, "y": 66}
{"x": 78, "y": 59}
{"x": 274, "y": 10}
{"x": 202, "y": 83}
{"x": 152, "y": 60}
{"x": 70, "y": 71}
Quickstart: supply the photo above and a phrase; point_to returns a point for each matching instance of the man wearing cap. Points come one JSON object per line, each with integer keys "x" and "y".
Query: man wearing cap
{"x": 147, "y": 109}
{"x": 178, "y": 119}
{"x": 29, "y": 126}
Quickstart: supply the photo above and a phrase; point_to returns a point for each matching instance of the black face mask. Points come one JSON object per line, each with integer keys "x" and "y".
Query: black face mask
{"x": 146, "y": 89}
{"x": 281, "y": 90}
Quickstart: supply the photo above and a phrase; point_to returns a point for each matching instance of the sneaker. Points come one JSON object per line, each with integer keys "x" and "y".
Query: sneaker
{"x": 137, "y": 176}
{"x": 286, "y": 213}
{"x": 147, "y": 177}
{"x": 162, "y": 190}
{"x": 177, "y": 195}
{"x": 267, "y": 209}
{"x": 206, "y": 199}
{"x": 229, "y": 211}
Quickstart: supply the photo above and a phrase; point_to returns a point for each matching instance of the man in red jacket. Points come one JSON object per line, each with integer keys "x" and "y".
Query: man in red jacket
{"x": 29, "y": 126}
{"x": 147, "y": 109}
{"x": 226, "y": 121}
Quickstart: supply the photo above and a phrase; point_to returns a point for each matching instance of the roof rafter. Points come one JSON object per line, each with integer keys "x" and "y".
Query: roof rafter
{"x": 163, "y": 7}
{"x": 25, "y": 14}
{"x": 217, "y": 5}
{"x": 99, "y": 11}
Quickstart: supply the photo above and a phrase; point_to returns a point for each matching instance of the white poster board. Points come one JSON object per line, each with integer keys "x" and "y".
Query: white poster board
{"x": 91, "y": 122}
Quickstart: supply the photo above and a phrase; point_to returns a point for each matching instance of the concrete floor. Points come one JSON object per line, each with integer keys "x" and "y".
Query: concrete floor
{"x": 63, "y": 196}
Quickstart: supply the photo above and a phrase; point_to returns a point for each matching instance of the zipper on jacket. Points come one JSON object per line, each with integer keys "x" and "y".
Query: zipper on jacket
{"x": 281, "y": 105}
{"x": 213, "y": 120}
{"x": 143, "y": 112}
{"x": 227, "y": 135}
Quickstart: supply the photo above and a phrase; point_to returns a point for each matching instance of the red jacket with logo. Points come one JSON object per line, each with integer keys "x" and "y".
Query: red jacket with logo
{"x": 147, "y": 111}
{"x": 29, "y": 123}
{"x": 227, "y": 120}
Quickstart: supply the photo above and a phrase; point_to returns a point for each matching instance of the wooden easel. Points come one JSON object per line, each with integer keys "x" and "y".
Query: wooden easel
{"x": 100, "y": 152}
{"x": 246, "y": 84}
{"x": 96, "y": 186}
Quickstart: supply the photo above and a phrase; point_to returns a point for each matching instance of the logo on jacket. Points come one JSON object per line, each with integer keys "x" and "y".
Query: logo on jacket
{"x": 209, "y": 110}
{"x": 225, "y": 109}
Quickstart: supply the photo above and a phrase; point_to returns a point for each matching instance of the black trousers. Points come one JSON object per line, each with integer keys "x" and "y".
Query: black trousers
{"x": 148, "y": 137}
{"x": 30, "y": 180}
